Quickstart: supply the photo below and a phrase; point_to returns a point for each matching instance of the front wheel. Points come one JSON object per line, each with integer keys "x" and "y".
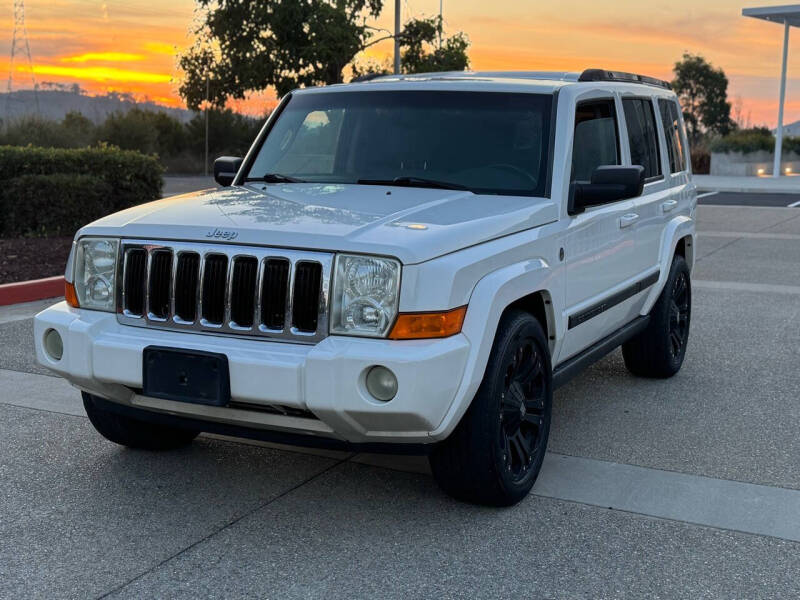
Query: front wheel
{"x": 658, "y": 351}
{"x": 494, "y": 455}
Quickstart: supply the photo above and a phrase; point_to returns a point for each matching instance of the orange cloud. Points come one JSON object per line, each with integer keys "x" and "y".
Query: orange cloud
{"x": 103, "y": 56}
{"x": 99, "y": 73}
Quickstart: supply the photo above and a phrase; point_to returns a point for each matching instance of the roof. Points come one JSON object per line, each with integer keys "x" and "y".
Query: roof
{"x": 788, "y": 13}
{"x": 535, "y": 75}
{"x": 507, "y": 81}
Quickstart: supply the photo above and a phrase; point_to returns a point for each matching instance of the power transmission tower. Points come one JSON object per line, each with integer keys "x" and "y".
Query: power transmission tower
{"x": 20, "y": 48}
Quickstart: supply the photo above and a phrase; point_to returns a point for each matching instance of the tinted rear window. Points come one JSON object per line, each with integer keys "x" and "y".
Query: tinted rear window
{"x": 642, "y": 135}
{"x": 672, "y": 133}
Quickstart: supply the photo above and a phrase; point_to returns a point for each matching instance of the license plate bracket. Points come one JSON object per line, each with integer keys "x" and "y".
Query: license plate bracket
{"x": 191, "y": 376}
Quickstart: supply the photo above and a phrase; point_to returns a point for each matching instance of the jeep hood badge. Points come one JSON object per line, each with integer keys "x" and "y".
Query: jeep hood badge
{"x": 221, "y": 234}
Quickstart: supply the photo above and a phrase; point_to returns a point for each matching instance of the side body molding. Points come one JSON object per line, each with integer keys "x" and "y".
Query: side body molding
{"x": 491, "y": 295}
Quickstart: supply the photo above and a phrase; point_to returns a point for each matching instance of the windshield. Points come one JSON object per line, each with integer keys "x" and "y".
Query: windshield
{"x": 486, "y": 142}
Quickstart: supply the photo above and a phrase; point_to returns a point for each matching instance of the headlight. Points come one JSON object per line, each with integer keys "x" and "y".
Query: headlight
{"x": 365, "y": 295}
{"x": 96, "y": 273}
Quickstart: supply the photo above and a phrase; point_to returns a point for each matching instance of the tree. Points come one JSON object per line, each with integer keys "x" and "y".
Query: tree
{"x": 244, "y": 46}
{"x": 420, "y": 54}
{"x": 703, "y": 93}
{"x": 228, "y": 132}
{"x": 286, "y": 44}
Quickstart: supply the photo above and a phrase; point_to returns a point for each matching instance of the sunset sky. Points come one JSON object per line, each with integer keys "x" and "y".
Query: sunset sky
{"x": 130, "y": 45}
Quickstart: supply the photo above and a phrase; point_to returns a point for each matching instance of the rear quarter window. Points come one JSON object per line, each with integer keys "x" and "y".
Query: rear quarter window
{"x": 676, "y": 150}
{"x": 642, "y": 135}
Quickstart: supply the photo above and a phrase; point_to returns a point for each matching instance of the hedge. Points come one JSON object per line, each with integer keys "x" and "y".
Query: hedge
{"x": 51, "y": 191}
{"x": 753, "y": 140}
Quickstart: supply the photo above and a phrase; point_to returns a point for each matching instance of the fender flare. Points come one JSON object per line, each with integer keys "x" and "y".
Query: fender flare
{"x": 677, "y": 229}
{"x": 490, "y": 297}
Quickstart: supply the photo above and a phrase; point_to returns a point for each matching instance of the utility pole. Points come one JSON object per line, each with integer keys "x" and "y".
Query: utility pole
{"x": 205, "y": 164}
{"x": 19, "y": 45}
{"x": 776, "y": 165}
{"x": 396, "y": 37}
{"x": 441, "y": 22}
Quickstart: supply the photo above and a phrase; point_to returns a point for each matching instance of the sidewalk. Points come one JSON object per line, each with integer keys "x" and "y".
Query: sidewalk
{"x": 752, "y": 185}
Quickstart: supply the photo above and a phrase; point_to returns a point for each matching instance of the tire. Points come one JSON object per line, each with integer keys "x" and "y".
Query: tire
{"x": 494, "y": 454}
{"x": 659, "y": 350}
{"x": 133, "y": 433}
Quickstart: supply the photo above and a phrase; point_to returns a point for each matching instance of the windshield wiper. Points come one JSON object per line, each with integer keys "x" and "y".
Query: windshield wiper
{"x": 415, "y": 182}
{"x": 277, "y": 178}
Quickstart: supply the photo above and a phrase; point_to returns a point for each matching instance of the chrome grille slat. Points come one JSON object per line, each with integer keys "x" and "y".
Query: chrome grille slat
{"x": 241, "y": 277}
{"x": 288, "y": 315}
{"x": 275, "y": 301}
{"x": 215, "y": 287}
{"x": 306, "y": 293}
{"x": 185, "y": 287}
{"x": 243, "y": 291}
{"x": 134, "y": 268}
{"x": 159, "y": 285}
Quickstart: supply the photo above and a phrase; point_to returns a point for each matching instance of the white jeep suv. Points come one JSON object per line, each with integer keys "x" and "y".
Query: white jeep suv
{"x": 406, "y": 264}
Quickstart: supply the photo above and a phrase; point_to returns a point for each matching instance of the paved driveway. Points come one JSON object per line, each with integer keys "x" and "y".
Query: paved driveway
{"x": 681, "y": 488}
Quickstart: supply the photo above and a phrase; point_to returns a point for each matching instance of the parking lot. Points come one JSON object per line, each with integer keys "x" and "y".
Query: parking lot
{"x": 682, "y": 488}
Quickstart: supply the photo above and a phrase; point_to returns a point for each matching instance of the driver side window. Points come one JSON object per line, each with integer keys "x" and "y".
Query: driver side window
{"x": 596, "y": 139}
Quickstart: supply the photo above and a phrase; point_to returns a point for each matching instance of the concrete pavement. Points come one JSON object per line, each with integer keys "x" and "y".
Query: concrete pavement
{"x": 721, "y": 183}
{"x": 682, "y": 488}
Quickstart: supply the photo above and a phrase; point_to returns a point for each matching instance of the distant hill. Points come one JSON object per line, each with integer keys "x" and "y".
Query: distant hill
{"x": 54, "y": 104}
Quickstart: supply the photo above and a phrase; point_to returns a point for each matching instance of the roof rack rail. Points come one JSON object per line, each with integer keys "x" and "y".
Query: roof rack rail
{"x": 367, "y": 77}
{"x": 622, "y": 76}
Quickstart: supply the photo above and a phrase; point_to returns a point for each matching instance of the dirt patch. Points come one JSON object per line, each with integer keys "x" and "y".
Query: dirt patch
{"x": 33, "y": 258}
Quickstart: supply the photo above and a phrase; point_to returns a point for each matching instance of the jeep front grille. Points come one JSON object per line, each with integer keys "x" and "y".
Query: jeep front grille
{"x": 237, "y": 290}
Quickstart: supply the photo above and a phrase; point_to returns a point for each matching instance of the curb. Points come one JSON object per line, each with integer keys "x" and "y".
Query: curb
{"x": 744, "y": 190}
{"x": 27, "y": 291}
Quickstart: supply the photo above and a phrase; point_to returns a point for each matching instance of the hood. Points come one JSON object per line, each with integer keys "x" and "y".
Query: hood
{"x": 411, "y": 224}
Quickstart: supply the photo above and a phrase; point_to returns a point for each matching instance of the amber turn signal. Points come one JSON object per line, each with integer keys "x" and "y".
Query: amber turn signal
{"x": 419, "y": 326}
{"x": 70, "y": 296}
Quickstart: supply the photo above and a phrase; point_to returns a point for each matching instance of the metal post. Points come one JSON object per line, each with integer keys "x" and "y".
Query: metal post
{"x": 441, "y": 22}
{"x": 396, "y": 37}
{"x": 205, "y": 167}
{"x": 776, "y": 168}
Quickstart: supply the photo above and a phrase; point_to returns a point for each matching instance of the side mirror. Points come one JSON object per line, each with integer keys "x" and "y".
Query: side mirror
{"x": 225, "y": 169}
{"x": 608, "y": 184}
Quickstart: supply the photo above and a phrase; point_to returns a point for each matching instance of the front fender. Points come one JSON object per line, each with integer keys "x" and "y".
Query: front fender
{"x": 677, "y": 229}
{"x": 490, "y": 297}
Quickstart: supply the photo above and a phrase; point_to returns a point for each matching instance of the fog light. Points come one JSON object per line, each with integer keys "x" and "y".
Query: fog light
{"x": 53, "y": 344}
{"x": 381, "y": 383}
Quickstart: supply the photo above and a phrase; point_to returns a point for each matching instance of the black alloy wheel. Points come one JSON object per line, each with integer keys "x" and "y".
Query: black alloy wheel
{"x": 679, "y": 314}
{"x": 658, "y": 351}
{"x": 522, "y": 410}
{"x": 494, "y": 454}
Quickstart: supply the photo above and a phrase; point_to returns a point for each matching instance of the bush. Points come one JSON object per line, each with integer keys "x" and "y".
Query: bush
{"x": 754, "y": 140}
{"x": 745, "y": 141}
{"x": 179, "y": 146}
{"x": 147, "y": 131}
{"x": 51, "y": 205}
{"x": 73, "y": 131}
{"x": 49, "y": 191}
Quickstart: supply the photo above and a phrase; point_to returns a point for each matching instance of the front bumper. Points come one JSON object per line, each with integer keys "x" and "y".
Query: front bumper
{"x": 104, "y": 358}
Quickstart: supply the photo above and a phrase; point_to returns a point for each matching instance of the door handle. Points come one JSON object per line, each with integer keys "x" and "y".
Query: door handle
{"x": 628, "y": 220}
{"x": 669, "y": 205}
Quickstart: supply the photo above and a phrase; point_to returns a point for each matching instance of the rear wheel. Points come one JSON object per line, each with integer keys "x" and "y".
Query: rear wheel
{"x": 658, "y": 351}
{"x": 494, "y": 455}
{"x": 134, "y": 433}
